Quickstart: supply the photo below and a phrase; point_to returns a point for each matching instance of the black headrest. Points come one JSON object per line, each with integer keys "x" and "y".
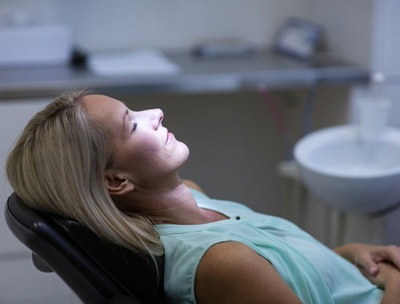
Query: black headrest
{"x": 133, "y": 272}
{"x": 136, "y": 272}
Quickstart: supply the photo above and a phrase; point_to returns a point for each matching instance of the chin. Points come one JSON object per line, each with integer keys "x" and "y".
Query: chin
{"x": 187, "y": 153}
{"x": 184, "y": 154}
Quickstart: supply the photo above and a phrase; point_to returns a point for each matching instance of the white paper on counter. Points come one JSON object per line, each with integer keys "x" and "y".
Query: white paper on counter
{"x": 116, "y": 63}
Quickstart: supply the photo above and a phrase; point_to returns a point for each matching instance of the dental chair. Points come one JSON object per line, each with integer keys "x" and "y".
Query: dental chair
{"x": 98, "y": 272}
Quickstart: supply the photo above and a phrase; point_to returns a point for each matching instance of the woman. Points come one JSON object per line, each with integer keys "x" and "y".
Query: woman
{"x": 91, "y": 158}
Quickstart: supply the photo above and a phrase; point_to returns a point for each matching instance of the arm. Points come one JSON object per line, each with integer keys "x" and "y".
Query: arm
{"x": 234, "y": 273}
{"x": 368, "y": 256}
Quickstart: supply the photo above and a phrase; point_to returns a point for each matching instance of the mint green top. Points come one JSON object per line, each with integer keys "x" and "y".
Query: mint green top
{"x": 315, "y": 273}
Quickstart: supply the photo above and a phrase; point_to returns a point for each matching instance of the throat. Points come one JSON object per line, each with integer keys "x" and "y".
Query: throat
{"x": 190, "y": 217}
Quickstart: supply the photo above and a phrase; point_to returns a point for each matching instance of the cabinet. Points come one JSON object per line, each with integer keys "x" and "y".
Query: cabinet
{"x": 20, "y": 281}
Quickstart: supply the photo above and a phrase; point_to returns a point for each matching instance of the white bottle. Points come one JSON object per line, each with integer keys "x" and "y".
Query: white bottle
{"x": 374, "y": 109}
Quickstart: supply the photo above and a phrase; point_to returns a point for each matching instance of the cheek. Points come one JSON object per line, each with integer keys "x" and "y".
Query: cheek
{"x": 147, "y": 151}
{"x": 132, "y": 155}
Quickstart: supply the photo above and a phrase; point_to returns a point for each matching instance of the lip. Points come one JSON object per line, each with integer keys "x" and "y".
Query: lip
{"x": 169, "y": 137}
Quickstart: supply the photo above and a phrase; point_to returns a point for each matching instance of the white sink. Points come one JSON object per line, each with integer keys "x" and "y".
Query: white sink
{"x": 349, "y": 174}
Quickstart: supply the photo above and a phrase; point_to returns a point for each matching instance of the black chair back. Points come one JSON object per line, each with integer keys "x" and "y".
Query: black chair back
{"x": 97, "y": 271}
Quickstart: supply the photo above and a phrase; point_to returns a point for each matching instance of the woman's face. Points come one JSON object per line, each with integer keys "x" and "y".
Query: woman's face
{"x": 142, "y": 148}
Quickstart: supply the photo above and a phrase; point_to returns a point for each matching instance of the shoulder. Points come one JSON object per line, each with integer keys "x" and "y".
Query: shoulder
{"x": 232, "y": 272}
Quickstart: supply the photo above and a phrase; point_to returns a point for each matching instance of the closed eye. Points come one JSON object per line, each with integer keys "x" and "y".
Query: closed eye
{"x": 134, "y": 126}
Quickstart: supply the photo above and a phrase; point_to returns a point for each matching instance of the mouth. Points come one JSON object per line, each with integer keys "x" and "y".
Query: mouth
{"x": 169, "y": 136}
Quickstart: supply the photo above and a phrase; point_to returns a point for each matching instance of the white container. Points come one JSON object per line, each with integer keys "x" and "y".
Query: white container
{"x": 373, "y": 119}
{"x": 373, "y": 107}
{"x": 35, "y": 45}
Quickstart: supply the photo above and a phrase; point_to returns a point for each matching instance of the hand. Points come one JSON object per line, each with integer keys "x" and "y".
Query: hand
{"x": 387, "y": 279}
{"x": 387, "y": 275}
{"x": 368, "y": 257}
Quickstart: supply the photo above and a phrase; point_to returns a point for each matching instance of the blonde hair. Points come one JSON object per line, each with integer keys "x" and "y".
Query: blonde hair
{"x": 58, "y": 164}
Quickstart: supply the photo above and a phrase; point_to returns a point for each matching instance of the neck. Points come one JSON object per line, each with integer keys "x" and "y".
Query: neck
{"x": 173, "y": 204}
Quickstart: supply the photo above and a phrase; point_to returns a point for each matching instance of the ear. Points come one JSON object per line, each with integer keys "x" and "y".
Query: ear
{"x": 118, "y": 183}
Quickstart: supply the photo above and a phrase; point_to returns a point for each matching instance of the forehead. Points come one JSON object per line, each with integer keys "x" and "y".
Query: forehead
{"x": 102, "y": 107}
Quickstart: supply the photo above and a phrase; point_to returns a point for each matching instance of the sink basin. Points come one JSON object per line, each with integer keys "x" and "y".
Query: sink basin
{"x": 349, "y": 174}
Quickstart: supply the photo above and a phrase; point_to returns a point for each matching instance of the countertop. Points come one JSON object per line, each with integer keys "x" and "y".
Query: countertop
{"x": 197, "y": 74}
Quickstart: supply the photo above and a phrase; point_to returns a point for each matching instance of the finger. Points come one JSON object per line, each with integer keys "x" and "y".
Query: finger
{"x": 371, "y": 278}
{"x": 368, "y": 263}
{"x": 372, "y": 269}
{"x": 393, "y": 255}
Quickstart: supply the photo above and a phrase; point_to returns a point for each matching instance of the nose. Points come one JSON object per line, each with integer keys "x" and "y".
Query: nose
{"x": 155, "y": 117}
